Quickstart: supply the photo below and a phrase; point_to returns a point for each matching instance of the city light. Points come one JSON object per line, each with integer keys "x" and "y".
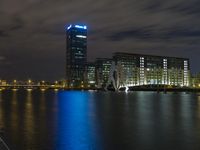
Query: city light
{"x": 55, "y": 90}
{"x": 76, "y": 26}
{"x": 81, "y": 27}
{"x": 29, "y": 81}
{"x": 134, "y": 69}
{"x": 29, "y": 90}
{"x": 14, "y": 90}
{"x": 42, "y": 89}
{"x": 126, "y": 90}
{"x": 69, "y": 27}
{"x": 81, "y": 36}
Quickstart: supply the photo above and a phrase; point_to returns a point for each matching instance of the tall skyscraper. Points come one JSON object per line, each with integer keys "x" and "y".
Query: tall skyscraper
{"x": 76, "y": 55}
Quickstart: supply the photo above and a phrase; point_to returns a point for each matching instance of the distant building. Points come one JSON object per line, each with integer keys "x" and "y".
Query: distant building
{"x": 131, "y": 65}
{"x": 141, "y": 69}
{"x": 91, "y": 75}
{"x": 195, "y": 81}
{"x": 3, "y": 82}
{"x": 102, "y": 71}
{"x": 124, "y": 69}
{"x": 76, "y": 55}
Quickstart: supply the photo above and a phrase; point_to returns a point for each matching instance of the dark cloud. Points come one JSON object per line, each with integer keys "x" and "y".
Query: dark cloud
{"x": 3, "y": 34}
{"x": 148, "y": 33}
{"x": 138, "y": 33}
{"x": 32, "y": 36}
{"x": 187, "y": 7}
{"x": 2, "y": 58}
{"x": 153, "y": 6}
{"x": 4, "y": 62}
{"x": 17, "y": 24}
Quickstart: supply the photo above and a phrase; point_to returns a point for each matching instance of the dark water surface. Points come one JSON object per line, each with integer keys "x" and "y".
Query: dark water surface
{"x": 77, "y": 120}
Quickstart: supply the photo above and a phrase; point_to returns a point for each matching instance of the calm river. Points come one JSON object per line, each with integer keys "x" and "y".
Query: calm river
{"x": 88, "y": 120}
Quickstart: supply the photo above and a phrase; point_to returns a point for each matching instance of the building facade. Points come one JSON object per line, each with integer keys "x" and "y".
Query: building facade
{"x": 91, "y": 75}
{"x": 103, "y": 66}
{"x": 153, "y": 70}
{"x": 76, "y": 55}
{"x": 195, "y": 80}
{"x": 126, "y": 68}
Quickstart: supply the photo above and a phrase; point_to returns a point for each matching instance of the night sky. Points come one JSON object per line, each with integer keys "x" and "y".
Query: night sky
{"x": 32, "y": 36}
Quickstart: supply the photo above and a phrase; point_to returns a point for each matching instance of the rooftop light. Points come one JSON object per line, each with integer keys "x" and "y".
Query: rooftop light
{"x": 69, "y": 27}
{"x": 81, "y": 27}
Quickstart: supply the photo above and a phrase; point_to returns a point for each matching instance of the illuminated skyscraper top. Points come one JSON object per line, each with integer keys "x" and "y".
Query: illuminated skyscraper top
{"x": 76, "y": 26}
{"x": 76, "y": 54}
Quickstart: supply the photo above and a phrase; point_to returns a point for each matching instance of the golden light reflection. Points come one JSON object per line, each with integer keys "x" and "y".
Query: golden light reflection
{"x": 14, "y": 90}
{"x": 43, "y": 89}
{"x": 1, "y": 89}
{"x": 198, "y": 103}
{"x": 1, "y": 112}
{"x": 56, "y": 90}
{"x": 14, "y": 113}
{"x": 42, "y": 103}
{"x": 29, "y": 90}
{"x": 29, "y": 117}
{"x": 14, "y": 97}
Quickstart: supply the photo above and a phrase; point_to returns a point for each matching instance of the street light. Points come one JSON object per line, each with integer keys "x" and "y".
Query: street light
{"x": 29, "y": 81}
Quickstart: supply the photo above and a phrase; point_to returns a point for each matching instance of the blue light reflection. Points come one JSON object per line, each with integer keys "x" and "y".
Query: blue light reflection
{"x": 76, "y": 127}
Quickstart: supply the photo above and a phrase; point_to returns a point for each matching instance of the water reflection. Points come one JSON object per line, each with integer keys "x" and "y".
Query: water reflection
{"x": 77, "y": 120}
{"x": 14, "y": 115}
{"x": 75, "y": 129}
{"x": 1, "y": 111}
{"x": 29, "y": 119}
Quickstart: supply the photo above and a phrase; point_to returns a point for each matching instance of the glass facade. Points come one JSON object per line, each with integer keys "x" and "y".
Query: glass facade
{"x": 76, "y": 55}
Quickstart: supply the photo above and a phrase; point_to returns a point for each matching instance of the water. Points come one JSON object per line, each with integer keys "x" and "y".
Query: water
{"x": 77, "y": 120}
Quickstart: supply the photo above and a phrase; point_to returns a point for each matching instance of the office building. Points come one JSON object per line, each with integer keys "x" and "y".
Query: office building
{"x": 91, "y": 75}
{"x": 195, "y": 80}
{"x": 103, "y": 66}
{"x": 141, "y": 69}
{"x": 76, "y": 55}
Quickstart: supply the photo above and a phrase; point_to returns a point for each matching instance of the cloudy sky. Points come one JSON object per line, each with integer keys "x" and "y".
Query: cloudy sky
{"x": 32, "y": 36}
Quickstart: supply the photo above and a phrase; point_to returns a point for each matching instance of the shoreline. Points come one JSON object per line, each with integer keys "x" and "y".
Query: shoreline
{"x": 131, "y": 89}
